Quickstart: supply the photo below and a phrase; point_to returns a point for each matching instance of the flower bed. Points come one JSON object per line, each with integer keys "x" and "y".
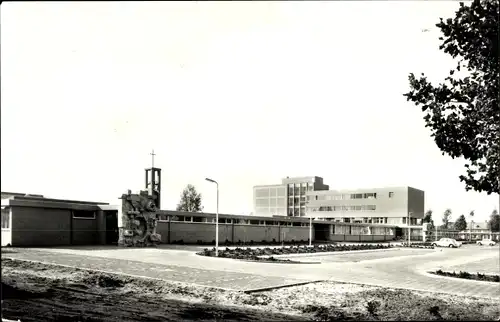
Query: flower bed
{"x": 424, "y": 245}
{"x": 245, "y": 243}
{"x": 266, "y": 254}
{"x": 469, "y": 276}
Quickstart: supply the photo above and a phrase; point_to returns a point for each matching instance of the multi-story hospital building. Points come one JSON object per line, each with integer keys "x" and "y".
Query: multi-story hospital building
{"x": 310, "y": 197}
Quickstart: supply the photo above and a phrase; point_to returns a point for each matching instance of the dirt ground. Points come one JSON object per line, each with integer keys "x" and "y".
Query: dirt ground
{"x": 40, "y": 292}
{"x": 36, "y": 292}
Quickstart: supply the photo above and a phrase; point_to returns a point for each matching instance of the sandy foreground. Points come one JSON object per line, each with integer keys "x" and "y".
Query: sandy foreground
{"x": 40, "y": 292}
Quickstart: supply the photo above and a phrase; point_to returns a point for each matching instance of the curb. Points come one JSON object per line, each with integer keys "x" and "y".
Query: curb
{"x": 415, "y": 289}
{"x": 264, "y": 289}
{"x": 332, "y": 253}
{"x": 426, "y": 273}
{"x": 275, "y": 262}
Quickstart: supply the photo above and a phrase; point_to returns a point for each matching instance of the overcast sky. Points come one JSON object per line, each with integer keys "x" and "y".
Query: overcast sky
{"x": 243, "y": 92}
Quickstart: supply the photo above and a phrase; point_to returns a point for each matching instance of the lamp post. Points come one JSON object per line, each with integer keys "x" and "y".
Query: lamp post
{"x": 216, "y": 218}
{"x": 471, "y": 215}
{"x": 310, "y": 223}
{"x": 409, "y": 231}
{"x": 310, "y": 230}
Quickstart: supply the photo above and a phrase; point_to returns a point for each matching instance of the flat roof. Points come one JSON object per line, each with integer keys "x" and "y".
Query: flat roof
{"x": 360, "y": 190}
{"x": 6, "y": 194}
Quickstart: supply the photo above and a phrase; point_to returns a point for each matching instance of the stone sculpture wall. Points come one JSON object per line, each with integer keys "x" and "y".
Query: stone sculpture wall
{"x": 139, "y": 220}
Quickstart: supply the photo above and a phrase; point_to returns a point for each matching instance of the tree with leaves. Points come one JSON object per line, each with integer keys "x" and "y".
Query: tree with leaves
{"x": 463, "y": 111}
{"x": 494, "y": 222}
{"x": 190, "y": 200}
{"x": 461, "y": 223}
{"x": 428, "y": 219}
{"x": 446, "y": 218}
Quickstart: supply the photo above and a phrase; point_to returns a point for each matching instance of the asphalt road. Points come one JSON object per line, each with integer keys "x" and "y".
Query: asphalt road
{"x": 404, "y": 268}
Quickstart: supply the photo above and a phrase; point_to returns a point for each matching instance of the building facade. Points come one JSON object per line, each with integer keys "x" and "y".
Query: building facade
{"x": 287, "y": 198}
{"x": 390, "y": 206}
{"x": 310, "y": 197}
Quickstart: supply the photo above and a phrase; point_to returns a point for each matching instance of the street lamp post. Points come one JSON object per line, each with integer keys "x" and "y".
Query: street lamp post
{"x": 310, "y": 230}
{"x": 216, "y": 218}
{"x": 409, "y": 231}
{"x": 310, "y": 223}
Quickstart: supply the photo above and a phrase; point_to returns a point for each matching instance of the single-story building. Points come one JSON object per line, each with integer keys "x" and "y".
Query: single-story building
{"x": 33, "y": 220}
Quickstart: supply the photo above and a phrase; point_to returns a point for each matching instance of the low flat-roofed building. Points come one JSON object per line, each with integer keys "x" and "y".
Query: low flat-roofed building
{"x": 33, "y": 220}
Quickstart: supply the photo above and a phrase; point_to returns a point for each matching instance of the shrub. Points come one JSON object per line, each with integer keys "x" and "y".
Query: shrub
{"x": 434, "y": 311}
{"x": 372, "y": 307}
{"x": 464, "y": 275}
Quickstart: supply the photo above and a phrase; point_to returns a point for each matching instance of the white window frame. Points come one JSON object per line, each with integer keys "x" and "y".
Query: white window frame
{"x": 10, "y": 218}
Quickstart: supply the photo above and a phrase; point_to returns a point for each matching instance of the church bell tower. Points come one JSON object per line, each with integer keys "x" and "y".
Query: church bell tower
{"x": 153, "y": 181}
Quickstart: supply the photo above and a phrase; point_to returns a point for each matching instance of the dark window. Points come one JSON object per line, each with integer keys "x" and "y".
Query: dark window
{"x": 83, "y": 214}
{"x": 254, "y": 222}
{"x": 391, "y": 194}
{"x": 198, "y": 219}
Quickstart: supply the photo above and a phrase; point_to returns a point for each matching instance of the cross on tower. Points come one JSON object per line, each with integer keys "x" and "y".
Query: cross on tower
{"x": 152, "y": 158}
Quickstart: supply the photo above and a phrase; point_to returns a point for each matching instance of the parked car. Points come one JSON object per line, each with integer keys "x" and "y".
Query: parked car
{"x": 486, "y": 242}
{"x": 447, "y": 242}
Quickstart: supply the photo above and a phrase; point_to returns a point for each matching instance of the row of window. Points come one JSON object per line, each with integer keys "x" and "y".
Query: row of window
{"x": 413, "y": 221}
{"x": 349, "y": 196}
{"x": 234, "y": 221}
{"x": 299, "y": 189}
{"x": 365, "y": 220}
{"x": 297, "y": 212}
{"x": 344, "y": 208}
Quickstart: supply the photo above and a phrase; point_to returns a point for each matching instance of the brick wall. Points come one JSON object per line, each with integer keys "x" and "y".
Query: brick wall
{"x": 190, "y": 232}
{"x": 85, "y": 232}
{"x": 40, "y": 226}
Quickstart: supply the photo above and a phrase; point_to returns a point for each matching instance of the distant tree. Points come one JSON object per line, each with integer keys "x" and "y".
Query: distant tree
{"x": 462, "y": 112}
{"x": 461, "y": 223}
{"x": 428, "y": 219}
{"x": 446, "y": 218}
{"x": 190, "y": 200}
{"x": 494, "y": 222}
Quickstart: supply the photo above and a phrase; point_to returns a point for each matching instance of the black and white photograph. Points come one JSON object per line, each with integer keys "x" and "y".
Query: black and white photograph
{"x": 250, "y": 160}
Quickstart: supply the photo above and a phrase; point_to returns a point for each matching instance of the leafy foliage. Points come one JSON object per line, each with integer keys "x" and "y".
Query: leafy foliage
{"x": 446, "y": 218}
{"x": 190, "y": 200}
{"x": 463, "y": 113}
{"x": 494, "y": 222}
{"x": 461, "y": 223}
{"x": 428, "y": 219}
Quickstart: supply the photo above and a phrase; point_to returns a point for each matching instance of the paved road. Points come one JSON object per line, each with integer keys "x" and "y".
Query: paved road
{"x": 405, "y": 271}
